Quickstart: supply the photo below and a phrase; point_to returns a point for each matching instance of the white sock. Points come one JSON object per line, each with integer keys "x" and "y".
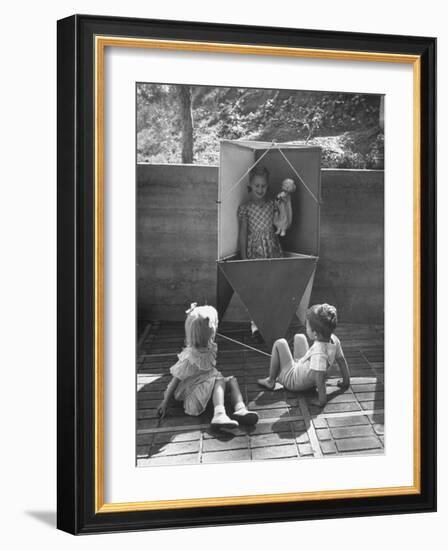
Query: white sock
{"x": 240, "y": 407}
{"x": 220, "y": 409}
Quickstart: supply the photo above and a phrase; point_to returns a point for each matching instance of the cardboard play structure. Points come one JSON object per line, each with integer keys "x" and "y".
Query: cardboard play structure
{"x": 272, "y": 290}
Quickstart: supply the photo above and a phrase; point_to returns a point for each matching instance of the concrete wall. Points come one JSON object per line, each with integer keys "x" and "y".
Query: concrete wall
{"x": 177, "y": 242}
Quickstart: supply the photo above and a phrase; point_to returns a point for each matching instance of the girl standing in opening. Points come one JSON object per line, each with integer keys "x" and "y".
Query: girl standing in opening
{"x": 257, "y": 237}
{"x": 195, "y": 379}
{"x": 309, "y": 366}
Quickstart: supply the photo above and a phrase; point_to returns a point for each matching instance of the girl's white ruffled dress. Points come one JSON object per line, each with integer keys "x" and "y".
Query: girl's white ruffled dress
{"x": 197, "y": 374}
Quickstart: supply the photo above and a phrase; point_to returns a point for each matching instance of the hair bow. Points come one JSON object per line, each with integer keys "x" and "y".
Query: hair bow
{"x": 192, "y": 306}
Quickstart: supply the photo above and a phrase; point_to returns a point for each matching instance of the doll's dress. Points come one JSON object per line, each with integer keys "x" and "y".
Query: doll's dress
{"x": 262, "y": 242}
{"x": 283, "y": 214}
{"x": 196, "y": 371}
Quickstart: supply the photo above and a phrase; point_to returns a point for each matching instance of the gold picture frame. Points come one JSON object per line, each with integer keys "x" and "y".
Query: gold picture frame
{"x": 80, "y": 35}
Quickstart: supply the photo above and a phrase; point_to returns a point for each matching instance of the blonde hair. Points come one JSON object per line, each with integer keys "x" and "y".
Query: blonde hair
{"x": 200, "y": 326}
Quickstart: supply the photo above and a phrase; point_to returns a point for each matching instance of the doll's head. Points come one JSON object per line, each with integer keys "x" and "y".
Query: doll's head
{"x": 288, "y": 185}
{"x": 259, "y": 181}
{"x": 200, "y": 326}
{"x": 321, "y": 321}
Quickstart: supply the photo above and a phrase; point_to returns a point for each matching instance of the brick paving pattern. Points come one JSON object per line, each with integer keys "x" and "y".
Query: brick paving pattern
{"x": 290, "y": 427}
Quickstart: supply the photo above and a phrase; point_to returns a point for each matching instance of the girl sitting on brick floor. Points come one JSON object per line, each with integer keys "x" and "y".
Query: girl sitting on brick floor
{"x": 308, "y": 367}
{"x": 195, "y": 379}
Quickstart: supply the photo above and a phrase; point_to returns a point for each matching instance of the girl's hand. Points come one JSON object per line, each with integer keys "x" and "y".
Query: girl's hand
{"x": 161, "y": 410}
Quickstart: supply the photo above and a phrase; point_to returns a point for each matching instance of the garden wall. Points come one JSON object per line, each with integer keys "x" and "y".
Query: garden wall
{"x": 177, "y": 242}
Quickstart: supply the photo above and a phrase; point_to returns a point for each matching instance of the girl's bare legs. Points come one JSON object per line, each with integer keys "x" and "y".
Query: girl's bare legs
{"x": 245, "y": 417}
{"x": 280, "y": 358}
{"x": 300, "y": 346}
{"x": 218, "y": 392}
{"x": 220, "y": 418}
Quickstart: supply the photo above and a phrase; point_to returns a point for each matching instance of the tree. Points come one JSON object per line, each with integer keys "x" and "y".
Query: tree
{"x": 187, "y": 124}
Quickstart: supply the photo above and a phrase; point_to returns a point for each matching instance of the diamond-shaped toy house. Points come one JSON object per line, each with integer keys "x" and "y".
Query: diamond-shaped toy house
{"x": 273, "y": 290}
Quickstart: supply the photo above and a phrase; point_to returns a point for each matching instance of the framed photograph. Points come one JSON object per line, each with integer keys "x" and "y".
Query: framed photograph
{"x": 246, "y": 274}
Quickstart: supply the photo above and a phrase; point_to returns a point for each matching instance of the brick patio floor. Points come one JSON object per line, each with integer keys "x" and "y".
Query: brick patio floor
{"x": 290, "y": 427}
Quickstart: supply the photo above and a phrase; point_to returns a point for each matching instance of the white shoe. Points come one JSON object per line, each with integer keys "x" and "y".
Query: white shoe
{"x": 221, "y": 420}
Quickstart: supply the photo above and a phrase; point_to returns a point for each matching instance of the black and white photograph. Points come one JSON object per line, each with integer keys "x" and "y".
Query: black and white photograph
{"x": 260, "y": 274}
{"x": 224, "y": 224}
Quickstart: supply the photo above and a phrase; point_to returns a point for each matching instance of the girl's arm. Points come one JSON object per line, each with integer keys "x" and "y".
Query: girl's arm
{"x": 343, "y": 367}
{"x": 242, "y": 238}
{"x": 169, "y": 392}
{"x": 321, "y": 389}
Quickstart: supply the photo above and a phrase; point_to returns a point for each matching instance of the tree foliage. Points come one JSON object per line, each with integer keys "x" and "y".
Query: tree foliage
{"x": 346, "y": 126}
